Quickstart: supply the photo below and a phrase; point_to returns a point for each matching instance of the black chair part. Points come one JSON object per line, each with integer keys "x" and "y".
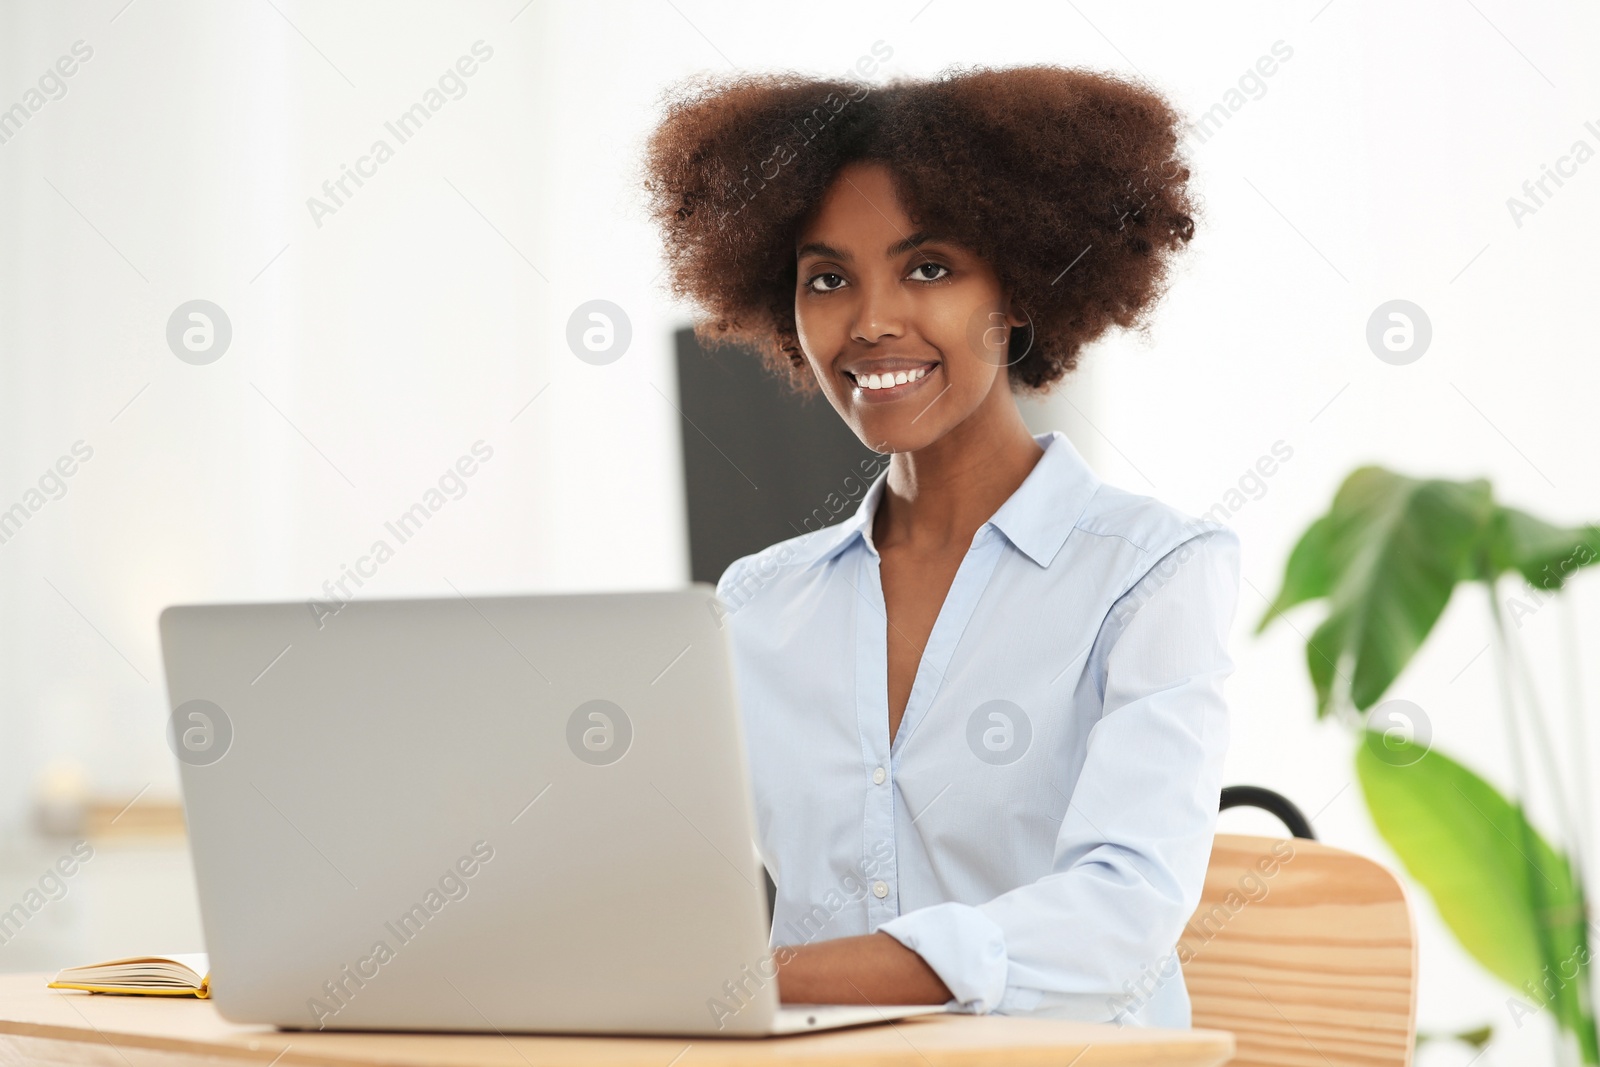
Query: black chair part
{"x": 1255, "y": 796}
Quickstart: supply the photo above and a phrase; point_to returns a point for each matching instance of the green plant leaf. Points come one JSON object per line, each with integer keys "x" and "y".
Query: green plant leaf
{"x": 1545, "y": 555}
{"x": 1486, "y": 869}
{"x": 1307, "y": 576}
{"x": 1387, "y": 556}
{"x": 1477, "y": 1037}
{"x": 1323, "y": 650}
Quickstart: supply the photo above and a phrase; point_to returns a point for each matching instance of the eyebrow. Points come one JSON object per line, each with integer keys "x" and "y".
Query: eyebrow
{"x": 916, "y": 240}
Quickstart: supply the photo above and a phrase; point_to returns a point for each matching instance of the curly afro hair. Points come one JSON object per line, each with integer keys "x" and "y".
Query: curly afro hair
{"x": 1066, "y": 182}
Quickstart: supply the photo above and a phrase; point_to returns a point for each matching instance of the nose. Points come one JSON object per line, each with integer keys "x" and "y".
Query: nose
{"x": 880, "y": 313}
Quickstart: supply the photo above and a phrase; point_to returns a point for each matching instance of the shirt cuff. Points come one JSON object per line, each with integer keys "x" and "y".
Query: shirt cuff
{"x": 965, "y": 948}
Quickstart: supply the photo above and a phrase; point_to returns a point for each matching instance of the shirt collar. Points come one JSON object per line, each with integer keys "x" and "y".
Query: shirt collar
{"x": 1036, "y": 519}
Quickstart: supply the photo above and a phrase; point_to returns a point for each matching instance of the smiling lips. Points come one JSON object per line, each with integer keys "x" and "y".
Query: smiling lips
{"x": 888, "y": 385}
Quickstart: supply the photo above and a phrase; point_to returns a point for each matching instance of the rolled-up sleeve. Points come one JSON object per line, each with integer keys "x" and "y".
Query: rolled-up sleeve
{"x": 1099, "y": 929}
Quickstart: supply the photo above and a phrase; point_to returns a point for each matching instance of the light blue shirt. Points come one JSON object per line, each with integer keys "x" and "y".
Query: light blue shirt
{"x": 1040, "y": 829}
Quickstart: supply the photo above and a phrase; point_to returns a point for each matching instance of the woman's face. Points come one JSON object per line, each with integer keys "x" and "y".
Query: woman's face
{"x": 876, "y": 301}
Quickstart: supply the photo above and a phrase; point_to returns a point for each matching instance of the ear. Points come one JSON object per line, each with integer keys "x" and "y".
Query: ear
{"x": 1015, "y": 316}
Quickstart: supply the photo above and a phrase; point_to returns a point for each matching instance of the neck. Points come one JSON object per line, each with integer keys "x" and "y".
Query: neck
{"x": 937, "y": 497}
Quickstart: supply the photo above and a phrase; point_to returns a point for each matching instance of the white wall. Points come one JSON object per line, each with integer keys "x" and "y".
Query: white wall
{"x": 370, "y": 352}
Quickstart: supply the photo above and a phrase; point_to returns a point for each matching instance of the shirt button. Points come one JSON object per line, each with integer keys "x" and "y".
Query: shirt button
{"x": 880, "y": 889}
{"x": 878, "y": 776}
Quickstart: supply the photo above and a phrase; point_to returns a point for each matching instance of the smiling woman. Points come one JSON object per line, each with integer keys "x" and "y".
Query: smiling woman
{"x": 1031, "y": 168}
{"x": 1006, "y": 668}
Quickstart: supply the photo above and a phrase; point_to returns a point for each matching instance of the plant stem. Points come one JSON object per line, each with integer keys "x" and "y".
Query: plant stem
{"x": 1573, "y": 664}
{"x": 1574, "y": 687}
{"x": 1575, "y": 829}
{"x": 1568, "y": 825}
{"x": 1519, "y": 772}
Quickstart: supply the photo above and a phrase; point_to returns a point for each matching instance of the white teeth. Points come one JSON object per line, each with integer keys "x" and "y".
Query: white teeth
{"x": 889, "y": 381}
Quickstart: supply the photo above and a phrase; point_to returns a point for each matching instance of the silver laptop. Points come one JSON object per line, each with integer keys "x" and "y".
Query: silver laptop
{"x": 484, "y": 813}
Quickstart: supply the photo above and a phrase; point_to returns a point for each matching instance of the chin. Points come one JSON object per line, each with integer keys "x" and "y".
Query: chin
{"x": 886, "y": 436}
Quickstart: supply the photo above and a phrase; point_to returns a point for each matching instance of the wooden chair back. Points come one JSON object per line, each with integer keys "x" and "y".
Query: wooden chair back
{"x": 1308, "y": 953}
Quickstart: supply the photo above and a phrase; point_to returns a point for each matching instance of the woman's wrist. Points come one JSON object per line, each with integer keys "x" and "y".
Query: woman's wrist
{"x": 869, "y": 969}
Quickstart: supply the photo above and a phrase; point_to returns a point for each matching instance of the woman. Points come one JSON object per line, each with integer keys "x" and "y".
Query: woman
{"x": 985, "y": 712}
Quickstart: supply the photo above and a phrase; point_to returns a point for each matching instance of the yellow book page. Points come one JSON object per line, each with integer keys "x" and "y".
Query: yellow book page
{"x": 204, "y": 992}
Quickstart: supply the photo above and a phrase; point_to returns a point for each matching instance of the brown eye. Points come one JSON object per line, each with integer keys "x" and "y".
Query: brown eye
{"x": 811, "y": 284}
{"x": 935, "y": 266}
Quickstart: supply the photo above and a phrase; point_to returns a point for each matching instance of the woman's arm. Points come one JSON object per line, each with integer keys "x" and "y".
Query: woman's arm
{"x": 1094, "y": 937}
{"x": 870, "y": 969}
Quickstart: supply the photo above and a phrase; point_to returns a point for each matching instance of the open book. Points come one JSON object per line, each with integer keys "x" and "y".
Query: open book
{"x": 186, "y": 974}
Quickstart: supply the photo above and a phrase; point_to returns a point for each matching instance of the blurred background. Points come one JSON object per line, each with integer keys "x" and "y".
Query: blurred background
{"x": 221, "y": 373}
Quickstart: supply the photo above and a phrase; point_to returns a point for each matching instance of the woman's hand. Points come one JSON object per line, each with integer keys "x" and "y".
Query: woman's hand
{"x": 870, "y": 969}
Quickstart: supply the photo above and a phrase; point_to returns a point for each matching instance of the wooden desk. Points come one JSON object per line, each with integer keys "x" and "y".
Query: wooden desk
{"x": 45, "y": 1026}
